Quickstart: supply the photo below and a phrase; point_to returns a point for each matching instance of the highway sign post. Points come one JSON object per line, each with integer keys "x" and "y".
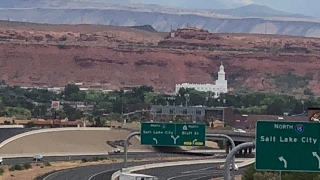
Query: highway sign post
{"x": 171, "y": 134}
{"x": 287, "y": 146}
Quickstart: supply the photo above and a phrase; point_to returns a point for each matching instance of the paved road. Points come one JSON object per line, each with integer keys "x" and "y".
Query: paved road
{"x": 184, "y": 172}
{"x": 6, "y": 133}
{"x": 190, "y": 172}
{"x": 82, "y": 173}
{"x": 85, "y": 173}
{"x": 103, "y": 172}
{"x": 136, "y": 155}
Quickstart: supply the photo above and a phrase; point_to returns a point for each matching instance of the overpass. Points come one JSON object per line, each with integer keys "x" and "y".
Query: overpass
{"x": 238, "y": 138}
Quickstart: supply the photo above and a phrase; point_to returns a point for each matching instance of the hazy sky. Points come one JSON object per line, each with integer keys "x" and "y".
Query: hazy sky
{"x": 307, "y": 7}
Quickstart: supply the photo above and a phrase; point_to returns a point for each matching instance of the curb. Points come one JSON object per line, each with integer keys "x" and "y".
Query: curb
{"x": 159, "y": 165}
{"x": 53, "y": 155}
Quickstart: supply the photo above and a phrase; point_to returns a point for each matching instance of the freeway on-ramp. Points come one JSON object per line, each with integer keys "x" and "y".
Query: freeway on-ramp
{"x": 183, "y": 172}
{"x": 103, "y": 172}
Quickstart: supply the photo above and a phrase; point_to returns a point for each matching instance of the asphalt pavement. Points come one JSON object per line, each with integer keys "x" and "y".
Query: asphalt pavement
{"x": 104, "y": 172}
{"x": 95, "y": 172}
{"x": 190, "y": 172}
{"x": 135, "y": 155}
{"x": 184, "y": 172}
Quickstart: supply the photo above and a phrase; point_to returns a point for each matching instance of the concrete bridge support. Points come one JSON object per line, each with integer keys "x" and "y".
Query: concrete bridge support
{"x": 227, "y": 147}
{"x": 245, "y": 151}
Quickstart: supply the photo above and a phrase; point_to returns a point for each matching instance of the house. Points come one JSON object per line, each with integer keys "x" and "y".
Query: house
{"x": 216, "y": 124}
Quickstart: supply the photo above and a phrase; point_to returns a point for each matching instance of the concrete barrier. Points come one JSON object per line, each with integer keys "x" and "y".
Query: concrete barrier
{"x": 242, "y": 164}
{"x": 50, "y": 130}
{"x": 176, "y": 163}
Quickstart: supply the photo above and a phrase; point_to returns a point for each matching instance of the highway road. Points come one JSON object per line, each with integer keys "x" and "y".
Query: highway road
{"x": 82, "y": 173}
{"x": 96, "y": 172}
{"x": 136, "y": 155}
{"x": 103, "y": 172}
{"x": 190, "y": 172}
{"x": 184, "y": 172}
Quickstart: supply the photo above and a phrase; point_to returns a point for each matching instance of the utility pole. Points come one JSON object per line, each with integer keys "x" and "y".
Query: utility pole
{"x": 265, "y": 27}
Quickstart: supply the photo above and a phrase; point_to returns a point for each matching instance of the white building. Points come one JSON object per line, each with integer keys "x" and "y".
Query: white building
{"x": 221, "y": 85}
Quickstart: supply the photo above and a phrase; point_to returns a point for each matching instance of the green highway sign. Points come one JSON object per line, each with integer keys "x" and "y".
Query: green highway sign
{"x": 171, "y": 134}
{"x": 287, "y": 146}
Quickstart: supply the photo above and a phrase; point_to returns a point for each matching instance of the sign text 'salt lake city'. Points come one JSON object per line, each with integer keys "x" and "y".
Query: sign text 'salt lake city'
{"x": 287, "y": 139}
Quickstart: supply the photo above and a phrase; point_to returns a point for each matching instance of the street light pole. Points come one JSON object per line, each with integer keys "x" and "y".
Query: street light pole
{"x": 187, "y": 98}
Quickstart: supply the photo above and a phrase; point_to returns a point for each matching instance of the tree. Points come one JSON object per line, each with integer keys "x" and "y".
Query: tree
{"x": 179, "y": 119}
{"x": 99, "y": 122}
{"x": 248, "y": 173}
{"x": 275, "y": 108}
{"x": 150, "y": 97}
{"x": 2, "y": 109}
{"x": 197, "y": 98}
{"x": 18, "y": 112}
{"x": 73, "y": 93}
{"x": 138, "y": 93}
{"x": 72, "y": 113}
{"x": 39, "y": 111}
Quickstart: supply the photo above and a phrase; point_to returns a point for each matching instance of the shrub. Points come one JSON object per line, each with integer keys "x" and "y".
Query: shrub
{"x": 47, "y": 163}
{"x": 27, "y": 166}
{"x": 249, "y": 173}
{"x": 84, "y": 160}
{"x": 62, "y": 46}
{"x": 96, "y": 158}
{"x": 266, "y": 176}
{"x": 1, "y": 171}
{"x": 17, "y": 167}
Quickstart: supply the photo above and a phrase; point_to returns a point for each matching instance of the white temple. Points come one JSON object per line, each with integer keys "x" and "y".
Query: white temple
{"x": 221, "y": 85}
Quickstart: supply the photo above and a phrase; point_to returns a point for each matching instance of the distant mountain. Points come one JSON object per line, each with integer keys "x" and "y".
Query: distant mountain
{"x": 255, "y": 10}
{"x": 148, "y": 28}
{"x": 247, "y": 19}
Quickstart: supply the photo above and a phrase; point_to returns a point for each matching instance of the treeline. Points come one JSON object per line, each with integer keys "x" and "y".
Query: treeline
{"x": 28, "y": 103}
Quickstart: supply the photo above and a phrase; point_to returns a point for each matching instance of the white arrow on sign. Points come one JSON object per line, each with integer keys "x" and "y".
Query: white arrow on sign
{"x": 155, "y": 140}
{"x": 284, "y": 161}
{"x": 315, "y": 154}
{"x": 174, "y": 139}
{"x": 194, "y": 141}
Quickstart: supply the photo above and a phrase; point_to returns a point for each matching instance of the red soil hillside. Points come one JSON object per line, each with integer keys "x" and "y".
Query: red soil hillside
{"x": 113, "y": 57}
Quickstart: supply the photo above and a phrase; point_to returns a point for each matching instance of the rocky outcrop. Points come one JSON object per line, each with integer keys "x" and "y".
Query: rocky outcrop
{"x": 119, "y": 57}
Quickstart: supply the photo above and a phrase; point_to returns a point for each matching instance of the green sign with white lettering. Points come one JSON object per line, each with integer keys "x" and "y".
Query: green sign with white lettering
{"x": 287, "y": 146}
{"x": 171, "y": 134}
